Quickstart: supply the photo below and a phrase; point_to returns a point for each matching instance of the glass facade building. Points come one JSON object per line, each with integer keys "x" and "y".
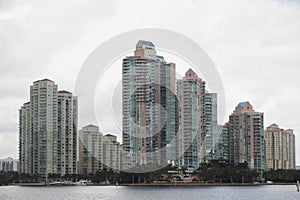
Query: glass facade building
{"x": 212, "y": 133}
{"x": 149, "y": 108}
{"x": 191, "y": 97}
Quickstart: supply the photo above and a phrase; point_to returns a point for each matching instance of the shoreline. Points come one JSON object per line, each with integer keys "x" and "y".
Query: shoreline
{"x": 152, "y": 184}
{"x": 203, "y": 184}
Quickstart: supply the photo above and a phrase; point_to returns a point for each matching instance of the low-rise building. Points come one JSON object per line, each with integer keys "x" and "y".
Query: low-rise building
{"x": 98, "y": 151}
{"x": 9, "y": 165}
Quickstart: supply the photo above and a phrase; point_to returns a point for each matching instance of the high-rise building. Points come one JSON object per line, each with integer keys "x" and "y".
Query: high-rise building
{"x": 66, "y": 133}
{"x": 289, "y": 156}
{"x": 48, "y": 131}
{"x": 211, "y": 131}
{"x": 246, "y": 137}
{"x": 112, "y": 152}
{"x": 149, "y": 108}
{"x": 25, "y": 140}
{"x": 97, "y": 152}
{"x": 191, "y": 97}
{"x": 90, "y": 150}
{"x": 9, "y": 165}
{"x": 222, "y": 144}
{"x": 279, "y": 148}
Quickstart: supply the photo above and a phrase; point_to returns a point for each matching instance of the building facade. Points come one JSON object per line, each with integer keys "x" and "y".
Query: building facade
{"x": 48, "y": 131}
{"x": 112, "y": 151}
{"x": 90, "y": 150}
{"x": 211, "y": 131}
{"x": 9, "y": 165}
{"x": 67, "y": 133}
{"x": 149, "y": 108}
{"x": 222, "y": 144}
{"x": 279, "y": 148}
{"x": 191, "y": 97}
{"x": 25, "y": 140}
{"x": 98, "y": 151}
{"x": 243, "y": 138}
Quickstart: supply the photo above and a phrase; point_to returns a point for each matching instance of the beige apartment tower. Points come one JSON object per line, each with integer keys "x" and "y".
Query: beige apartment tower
{"x": 48, "y": 131}
{"x": 280, "y": 148}
{"x": 97, "y": 151}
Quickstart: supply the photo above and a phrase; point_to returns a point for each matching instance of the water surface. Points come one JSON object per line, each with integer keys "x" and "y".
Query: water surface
{"x": 268, "y": 192}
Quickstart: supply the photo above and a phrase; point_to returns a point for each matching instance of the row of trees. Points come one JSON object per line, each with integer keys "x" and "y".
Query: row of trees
{"x": 214, "y": 171}
{"x": 222, "y": 172}
{"x": 8, "y": 177}
{"x": 104, "y": 176}
{"x": 283, "y": 176}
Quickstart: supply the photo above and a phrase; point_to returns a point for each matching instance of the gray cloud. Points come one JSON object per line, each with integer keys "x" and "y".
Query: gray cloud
{"x": 254, "y": 45}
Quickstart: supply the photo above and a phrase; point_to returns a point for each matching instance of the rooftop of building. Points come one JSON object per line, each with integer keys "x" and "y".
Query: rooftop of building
{"x": 244, "y": 107}
{"x": 91, "y": 126}
{"x": 273, "y": 127}
{"x": 110, "y": 135}
{"x": 64, "y": 92}
{"x": 190, "y": 74}
{"x": 160, "y": 57}
{"x": 242, "y": 104}
{"x": 43, "y": 80}
{"x": 145, "y": 43}
{"x": 8, "y": 159}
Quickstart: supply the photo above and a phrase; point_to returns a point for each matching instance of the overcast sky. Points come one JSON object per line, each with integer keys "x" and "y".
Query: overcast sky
{"x": 255, "y": 45}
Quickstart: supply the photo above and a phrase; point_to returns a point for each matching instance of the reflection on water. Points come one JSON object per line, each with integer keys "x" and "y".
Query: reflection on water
{"x": 268, "y": 192}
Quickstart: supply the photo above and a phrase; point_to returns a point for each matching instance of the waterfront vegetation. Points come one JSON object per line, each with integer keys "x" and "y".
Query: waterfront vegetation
{"x": 8, "y": 177}
{"x": 283, "y": 176}
{"x": 212, "y": 172}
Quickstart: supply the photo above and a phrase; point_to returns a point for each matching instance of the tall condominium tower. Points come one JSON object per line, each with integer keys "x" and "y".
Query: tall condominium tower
{"x": 211, "y": 131}
{"x": 246, "y": 137}
{"x": 66, "y": 133}
{"x": 25, "y": 140}
{"x": 191, "y": 97}
{"x": 289, "y": 156}
{"x": 149, "y": 108}
{"x": 48, "y": 131}
{"x": 279, "y": 148}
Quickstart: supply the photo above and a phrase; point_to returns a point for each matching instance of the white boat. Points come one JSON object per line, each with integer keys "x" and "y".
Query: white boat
{"x": 68, "y": 183}
{"x": 55, "y": 183}
{"x": 81, "y": 182}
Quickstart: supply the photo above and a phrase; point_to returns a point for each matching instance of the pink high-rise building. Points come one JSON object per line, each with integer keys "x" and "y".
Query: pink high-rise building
{"x": 149, "y": 108}
{"x": 246, "y": 137}
{"x": 191, "y": 97}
